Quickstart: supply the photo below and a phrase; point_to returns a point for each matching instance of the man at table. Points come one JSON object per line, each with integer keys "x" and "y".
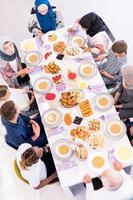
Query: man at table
{"x": 21, "y": 129}
{"x": 117, "y": 185}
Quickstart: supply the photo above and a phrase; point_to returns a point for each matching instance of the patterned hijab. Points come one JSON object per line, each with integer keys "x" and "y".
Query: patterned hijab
{"x": 3, "y": 54}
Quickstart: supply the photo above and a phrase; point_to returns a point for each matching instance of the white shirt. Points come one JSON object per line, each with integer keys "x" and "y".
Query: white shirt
{"x": 36, "y": 172}
{"x": 125, "y": 192}
{"x": 20, "y": 98}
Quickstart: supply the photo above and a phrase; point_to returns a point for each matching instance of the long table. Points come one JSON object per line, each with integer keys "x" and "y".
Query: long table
{"x": 72, "y": 170}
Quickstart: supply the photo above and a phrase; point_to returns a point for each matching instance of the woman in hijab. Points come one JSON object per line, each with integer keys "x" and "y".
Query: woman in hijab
{"x": 123, "y": 99}
{"x": 45, "y": 15}
{"x": 93, "y": 24}
{"x": 11, "y": 67}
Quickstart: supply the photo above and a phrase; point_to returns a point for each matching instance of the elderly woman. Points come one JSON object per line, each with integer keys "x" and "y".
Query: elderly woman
{"x": 123, "y": 99}
{"x": 36, "y": 165}
{"x": 11, "y": 67}
{"x": 116, "y": 185}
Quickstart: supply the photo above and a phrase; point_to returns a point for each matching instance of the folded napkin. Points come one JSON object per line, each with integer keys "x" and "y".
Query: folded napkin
{"x": 66, "y": 165}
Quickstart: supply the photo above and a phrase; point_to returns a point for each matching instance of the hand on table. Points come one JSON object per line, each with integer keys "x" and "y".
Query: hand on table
{"x": 87, "y": 179}
{"x": 117, "y": 165}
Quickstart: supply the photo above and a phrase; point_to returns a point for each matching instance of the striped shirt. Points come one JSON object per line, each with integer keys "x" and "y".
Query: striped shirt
{"x": 113, "y": 66}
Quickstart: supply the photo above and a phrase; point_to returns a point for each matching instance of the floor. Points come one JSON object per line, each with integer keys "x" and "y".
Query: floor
{"x": 117, "y": 15}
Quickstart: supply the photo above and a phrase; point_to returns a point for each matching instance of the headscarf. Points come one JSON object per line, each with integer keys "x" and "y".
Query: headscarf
{"x": 127, "y": 74}
{"x": 47, "y": 22}
{"x": 93, "y": 23}
{"x": 3, "y": 54}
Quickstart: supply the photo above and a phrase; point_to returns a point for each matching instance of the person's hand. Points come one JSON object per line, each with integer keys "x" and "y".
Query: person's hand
{"x": 71, "y": 30}
{"x": 100, "y": 57}
{"x": 131, "y": 131}
{"x": 86, "y": 49}
{"x": 87, "y": 179}
{"x": 38, "y": 32}
{"x": 115, "y": 100}
{"x": 117, "y": 165}
{"x": 35, "y": 127}
{"x": 103, "y": 72}
{"x": 118, "y": 106}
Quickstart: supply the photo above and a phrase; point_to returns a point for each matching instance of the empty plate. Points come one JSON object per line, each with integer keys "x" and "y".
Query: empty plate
{"x": 33, "y": 58}
{"x": 87, "y": 70}
{"x": 103, "y": 101}
{"x": 42, "y": 85}
{"x": 62, "y": 149}
{"x": 52, "y": 118}
{"x": 115, "y": 129}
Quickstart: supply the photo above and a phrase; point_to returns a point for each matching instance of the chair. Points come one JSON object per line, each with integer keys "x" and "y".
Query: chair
{"x": 18, "y": 173}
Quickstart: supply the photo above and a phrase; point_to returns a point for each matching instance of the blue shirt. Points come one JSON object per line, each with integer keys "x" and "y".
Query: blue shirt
{"x": 18, "y": 133}
{"x": 47, "y": 22}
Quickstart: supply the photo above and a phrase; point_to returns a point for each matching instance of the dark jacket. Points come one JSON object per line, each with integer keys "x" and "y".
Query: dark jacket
{"x": 22, "y": 132}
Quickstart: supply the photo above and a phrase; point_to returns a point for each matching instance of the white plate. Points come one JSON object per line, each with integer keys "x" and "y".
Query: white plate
{"x": 62, "y": 145}
{"x": 77, "y": 40}
{"x": 124, "y": 154}
{"x": 42, "y": 85}
{"x": 87, "y": 70}
{"x": 98, "y": 161}
{"x": 52, "y": 118}
{"x": 119, "y": 129}
{"x": 28, "y": 45}
{"x": 36, "y": 56}
{"x": 106, "y": 100}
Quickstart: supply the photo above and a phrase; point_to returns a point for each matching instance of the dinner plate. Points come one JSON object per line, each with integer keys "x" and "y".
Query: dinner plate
{"x": 33, "y": 58}
{"x": 115, "y": 129}
{"x": 98, "y": 161}
{"x": 87, "y": 70}
{"x": 124, "y": 154}
{"x": 42, "y": 85}
{"x": 62, "y": 149}
{"x": 28, "y": 45}
{"x": 103, "y": 101}
{"x": 52, "y": 118}
{"x": 77, "y": 40}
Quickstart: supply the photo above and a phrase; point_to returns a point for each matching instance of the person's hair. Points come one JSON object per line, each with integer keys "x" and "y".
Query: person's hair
{"x": 119, "y": 46}
{"x": 28, "y": 158}
{"x": 8, "y": 110}
{"x": 113, "y": 180}
{"x": 3, "y": 90}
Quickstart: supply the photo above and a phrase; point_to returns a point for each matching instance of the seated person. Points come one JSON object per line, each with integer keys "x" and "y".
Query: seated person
{"x": 13, "y": 72}
{"x": 20, "y": 128}
{"x": 123, "y": 99}
{"x": 116, "y": 58}
{"x": 93, "y": 24}
{"x": 23, "y": 98}
{"x": 36, "y": 165}
{"x": 116, "y": 185}
{"x": 45, "y": 17}
{"x": 129, "y": 126}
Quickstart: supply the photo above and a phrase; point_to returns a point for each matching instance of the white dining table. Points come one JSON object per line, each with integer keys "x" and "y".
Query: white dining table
{"x": 71, "y": 171}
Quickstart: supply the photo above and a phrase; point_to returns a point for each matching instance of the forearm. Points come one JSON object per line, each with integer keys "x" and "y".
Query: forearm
{"x": 46, "y": 181}
{"x": 117, "y": 95}
{"x": 127, "y": 105}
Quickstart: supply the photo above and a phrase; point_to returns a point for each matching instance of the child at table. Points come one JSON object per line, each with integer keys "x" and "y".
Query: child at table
{"x": 23, "y": 98}
{"x": 115, "y": 59}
